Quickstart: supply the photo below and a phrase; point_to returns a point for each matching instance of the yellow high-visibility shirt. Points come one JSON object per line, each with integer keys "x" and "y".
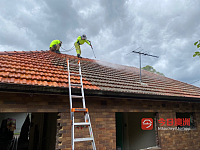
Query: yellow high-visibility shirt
{"x": 54, "y": 42}
{"x": 80, "y": 41}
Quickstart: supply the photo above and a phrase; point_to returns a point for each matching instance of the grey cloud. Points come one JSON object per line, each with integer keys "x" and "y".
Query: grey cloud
{"x": 114, "y": 10}
{"x": 167, "y": 29}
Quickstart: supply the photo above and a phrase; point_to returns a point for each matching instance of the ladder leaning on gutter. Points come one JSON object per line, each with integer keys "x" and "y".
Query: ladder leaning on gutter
{"x": 84, "y": 110}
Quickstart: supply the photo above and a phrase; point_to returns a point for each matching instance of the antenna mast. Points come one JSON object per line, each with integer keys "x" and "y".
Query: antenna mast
{"x": 140, "y": 53}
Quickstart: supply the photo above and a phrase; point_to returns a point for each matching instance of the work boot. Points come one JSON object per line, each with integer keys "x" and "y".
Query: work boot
{"x": 78, "y": 55}
{"x": 58, "y": 52}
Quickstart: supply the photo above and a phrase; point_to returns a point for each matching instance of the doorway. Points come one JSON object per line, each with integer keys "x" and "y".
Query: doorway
{"x": 130, "y": 135}
{"x": 28, "y": 131}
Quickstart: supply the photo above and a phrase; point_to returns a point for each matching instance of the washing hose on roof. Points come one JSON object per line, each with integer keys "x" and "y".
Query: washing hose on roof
{"x": 68, "y": 50}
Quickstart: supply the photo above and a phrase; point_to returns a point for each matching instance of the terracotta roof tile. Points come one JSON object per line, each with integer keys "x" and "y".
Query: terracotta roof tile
{"x": 55, "y": 84}
{"x": 12, "y": 74}
{"x": 49, "y": 69}
{"x": 34, "y": 82}
{"x": 29, "y": 82}
{"x": 23, "y": 81}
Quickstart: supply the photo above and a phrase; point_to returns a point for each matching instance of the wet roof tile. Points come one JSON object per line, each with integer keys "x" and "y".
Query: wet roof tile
{"x": 46, "y": 68}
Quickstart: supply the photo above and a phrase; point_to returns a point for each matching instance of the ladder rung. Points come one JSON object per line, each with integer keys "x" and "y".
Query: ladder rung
{"x": 79, "y": 110}
{"x": 83, "y": 139}
{"x": 75, "y": 74}
{"x": 73, "y": 64}
{"x": 82, "y": 124}
{"x": 79, "y": 85}
{"x": 77, "y": 96}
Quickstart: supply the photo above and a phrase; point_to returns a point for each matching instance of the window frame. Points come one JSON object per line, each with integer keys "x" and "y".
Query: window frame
{"x": 192, "y": 119}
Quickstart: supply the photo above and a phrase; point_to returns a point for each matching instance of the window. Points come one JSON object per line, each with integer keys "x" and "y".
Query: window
{"x": 185, "y": 120}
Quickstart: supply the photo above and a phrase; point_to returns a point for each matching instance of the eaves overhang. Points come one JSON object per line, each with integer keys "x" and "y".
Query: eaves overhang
{"x": 47, "y": 90}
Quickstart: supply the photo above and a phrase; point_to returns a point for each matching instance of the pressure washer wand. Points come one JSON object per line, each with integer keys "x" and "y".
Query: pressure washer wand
{"x": 92, "y": 48}
{"x": 93, "y": 51}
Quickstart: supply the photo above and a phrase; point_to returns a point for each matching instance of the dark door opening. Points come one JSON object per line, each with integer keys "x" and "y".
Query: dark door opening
{"x": 28, "y": 131}
{"x": 130, "y": 135}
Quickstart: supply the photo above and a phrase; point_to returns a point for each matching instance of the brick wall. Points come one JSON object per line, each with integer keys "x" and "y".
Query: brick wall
{"x": 102, "y": 113}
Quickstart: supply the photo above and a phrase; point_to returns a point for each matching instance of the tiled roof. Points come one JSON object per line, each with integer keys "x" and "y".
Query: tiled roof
{"x": 46, "y": 68}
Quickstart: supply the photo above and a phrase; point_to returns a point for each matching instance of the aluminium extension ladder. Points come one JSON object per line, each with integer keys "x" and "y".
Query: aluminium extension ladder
{"x": 84, "y": 110}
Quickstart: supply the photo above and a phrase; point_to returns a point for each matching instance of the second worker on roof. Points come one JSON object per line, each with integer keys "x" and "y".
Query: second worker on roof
{"x": 55, "y": 46}
{"x": 81, "y": 40}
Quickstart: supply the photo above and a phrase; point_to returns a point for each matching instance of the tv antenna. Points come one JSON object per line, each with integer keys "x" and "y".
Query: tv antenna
{"x": 140, "y": 53}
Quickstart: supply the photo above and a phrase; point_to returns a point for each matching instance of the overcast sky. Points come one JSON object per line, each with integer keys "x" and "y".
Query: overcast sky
{"x": 165, "y": 28}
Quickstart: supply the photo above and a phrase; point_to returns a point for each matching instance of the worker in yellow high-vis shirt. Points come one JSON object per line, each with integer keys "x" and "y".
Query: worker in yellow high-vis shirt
{"x": 55, "y": 46}
{"x": 80, "y": 40}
